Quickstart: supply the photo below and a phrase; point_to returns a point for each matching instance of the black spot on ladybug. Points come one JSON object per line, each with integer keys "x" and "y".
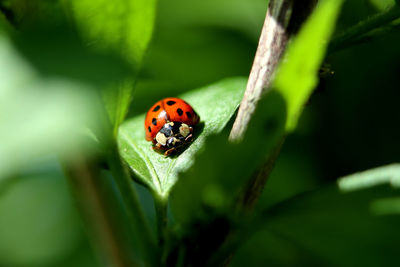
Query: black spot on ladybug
{"x": 149, "y": 129}
{"x": 154, "y": 121}
{"x": 188, "y": 114}
{"x": 180, "y": 111}
{"x": 156, "y": 108}
{"x": 170, "y": 103}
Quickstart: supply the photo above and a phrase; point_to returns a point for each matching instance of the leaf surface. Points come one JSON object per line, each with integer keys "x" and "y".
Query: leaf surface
{"x": 353, "y": 222}
{"x": 215, "y": 104}
{"x": 297, "y": 75}
{"x": 122, "y": 26}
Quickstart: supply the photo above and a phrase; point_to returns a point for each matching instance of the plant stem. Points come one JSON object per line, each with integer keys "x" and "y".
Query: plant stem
{"x": 284, "y": 18}
{"x": 162, "y": 223}
{"x": 135, "y": 214}
{"x": 347, "y": 37}
{"x": 84, "y": 177}
{"x": 273, "y": 40}
{"x": 257, "y": 183}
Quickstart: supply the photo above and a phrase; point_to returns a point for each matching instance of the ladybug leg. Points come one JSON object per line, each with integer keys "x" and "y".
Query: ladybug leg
{"x": 157, "y": 146}
{"x": 169, "y": 151}
{"x": 189, "y": 138}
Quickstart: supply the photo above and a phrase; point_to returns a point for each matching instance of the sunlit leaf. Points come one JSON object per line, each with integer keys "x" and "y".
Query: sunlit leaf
{"x": 383, "y": 175}
{"x": 297, "y": 75}
{"x": 121, "y": 26}
{"x": 215, "y": 104}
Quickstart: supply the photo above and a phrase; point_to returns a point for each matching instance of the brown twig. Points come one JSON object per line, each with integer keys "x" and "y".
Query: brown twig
{"x": 273, "y": 40}
{"x": 283, "y": 19}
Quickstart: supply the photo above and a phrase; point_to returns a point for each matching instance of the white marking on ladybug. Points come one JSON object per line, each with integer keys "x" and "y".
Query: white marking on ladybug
{"x": 184, "y": 130}
{"x": 161, "y": 139}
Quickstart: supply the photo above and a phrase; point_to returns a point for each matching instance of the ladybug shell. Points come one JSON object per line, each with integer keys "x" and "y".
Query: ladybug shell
{"x": 165, "y": 110}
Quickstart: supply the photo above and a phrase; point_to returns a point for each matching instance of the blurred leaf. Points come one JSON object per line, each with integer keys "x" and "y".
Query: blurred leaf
{"x": 215, "y": 104}
{"x": 38, "y": 116}
{"x": 340, "y": 225}
{"x": 280, "y": 252}
{"x": 219, "y": 172}
{"x": 67, "y": 56}
{"x": 297, "y": 75}
{"x": 123, "y": 26}
{"x": 368, "y": 26}
{"x": 382, "y": 4}
{"x": 38, "y": 225}
{"x": 383, "y": 175}
{"x": 43, "y": 26}
{"x": 245, "y": 17}
{"x": 24, "y": 13}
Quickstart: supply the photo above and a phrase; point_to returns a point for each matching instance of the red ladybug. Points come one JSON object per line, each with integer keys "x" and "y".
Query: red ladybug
{"x": 169, "y": 124}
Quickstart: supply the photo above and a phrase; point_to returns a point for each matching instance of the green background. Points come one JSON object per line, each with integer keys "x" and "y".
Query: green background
{"x": 350, "y": 124}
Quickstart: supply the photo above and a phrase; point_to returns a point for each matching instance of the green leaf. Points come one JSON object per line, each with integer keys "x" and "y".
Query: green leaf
{"x": 297, "y": 75}
{"x": 343, "y": 225}
{"x": 383, "y": 175}
{"x": 124, "y": 26}
{"x": 214, "y": 181}
{"x": 372, "y": 178}
{"x": 39, "y": 224}
{"x": 39, "y": 116}
{"x": 366, "y": 29}
{"x": 68, "y": 57}
{"x": 222, "y": 169}
{"x": 215, "y": 104}
{"x": 382, "y": 5}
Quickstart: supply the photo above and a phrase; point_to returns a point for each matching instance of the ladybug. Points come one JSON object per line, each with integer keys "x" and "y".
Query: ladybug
{"x": 169, "y": 124}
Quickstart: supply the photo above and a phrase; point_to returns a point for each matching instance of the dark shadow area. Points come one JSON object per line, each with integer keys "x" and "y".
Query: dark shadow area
{"x": 197, "y": 131}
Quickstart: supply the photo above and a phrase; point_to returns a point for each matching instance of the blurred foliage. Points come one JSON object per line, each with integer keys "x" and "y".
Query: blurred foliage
{"x": 338, "y": 224}
{"x": 38, "y": 224}
{"x": 121, "y": 26}
{"x": 382, "y": 4}
{"x": 38, "y": 112}
{"x": 64, "y": 53}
